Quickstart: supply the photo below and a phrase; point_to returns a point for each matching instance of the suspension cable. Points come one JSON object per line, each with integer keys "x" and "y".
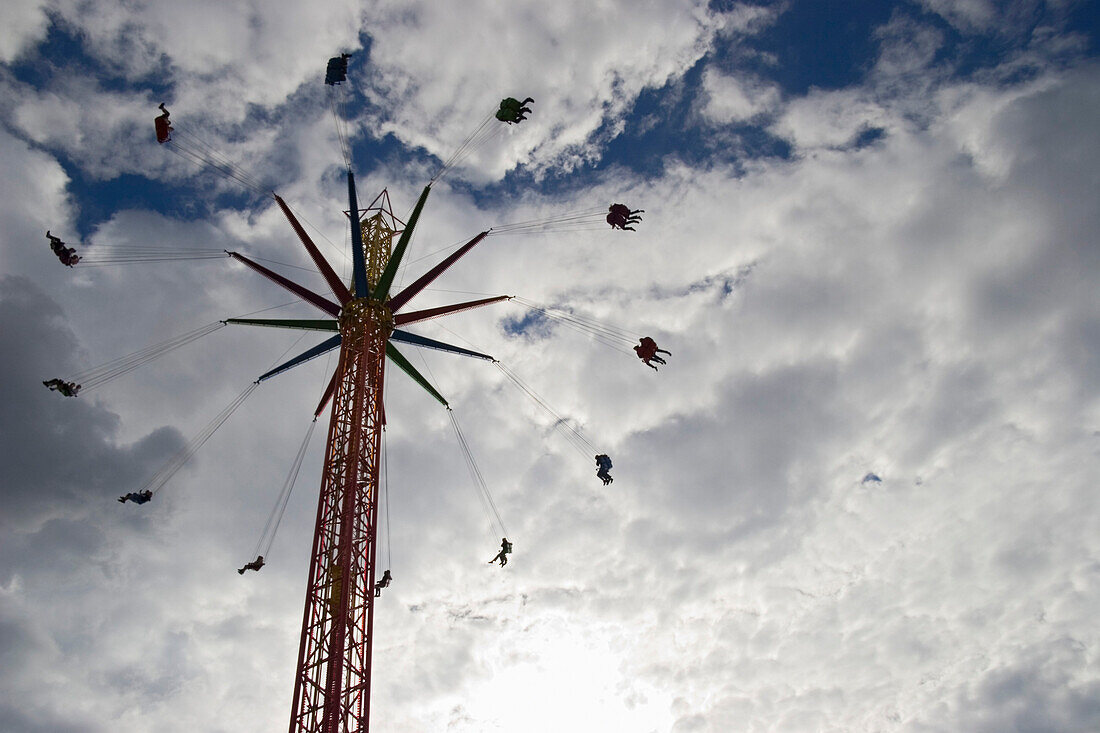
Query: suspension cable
{"x": 471, "y": 465}
{"x": 570, "y": 431}
{"x": 607, "y": 334}
{"x": 386, "y": 498}
{"x": 176, "y": 462}
{"x": 479, "y": 480}
{"x": 475, "y": 140}
{"x": 337, "y": 98}
{"x": 105, "y": 255}
{"x": 572, "y": 221}
{"x": 202, "y": 161}
{"x": 271, "y": 527}
{"x": 97, "y": 376}
{"x": 190, "y": 146}
{"x": 100, "y": 375}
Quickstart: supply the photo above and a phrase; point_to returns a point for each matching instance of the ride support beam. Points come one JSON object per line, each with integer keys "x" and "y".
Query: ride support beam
{"x": 399, "y": 300}
{"x": 357, "y": 256}
{"x": 399, "y": 359}
{"x": 295, "y": 323}
{"x": 383, "y": 288}
{"x": 338, "y": 288}
{"x": 403, "y": 319}
{"x": 415, "y": 340}
{"x": 302, "y": 292}
{"x": 322, "y": 348}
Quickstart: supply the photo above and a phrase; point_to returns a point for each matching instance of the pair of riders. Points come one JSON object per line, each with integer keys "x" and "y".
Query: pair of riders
{"x": 513, "y": 111}
{"x": 621, "y": 216}
{"x": 647, "y": 351}
{"x": 69, "y": 389}
{"x": 67, "y": 255}
{"x": 603, "y": 468}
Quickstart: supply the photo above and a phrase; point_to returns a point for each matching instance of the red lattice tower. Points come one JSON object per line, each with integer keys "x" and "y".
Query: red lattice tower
{"x": 333, "y": 676}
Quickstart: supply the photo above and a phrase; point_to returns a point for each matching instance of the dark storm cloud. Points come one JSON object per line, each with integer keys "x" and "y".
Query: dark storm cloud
{"x": 58, "y": 454}
{"x": 62, "y": 469}
{"x": 21, "y": 720}
{"x": 25, "y": 646}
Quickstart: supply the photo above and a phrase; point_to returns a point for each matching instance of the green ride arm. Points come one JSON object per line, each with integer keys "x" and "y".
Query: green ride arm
{"x": 386, "y": 280}
{"x": 397, "y": 358}
{"x": 298, "y": 323}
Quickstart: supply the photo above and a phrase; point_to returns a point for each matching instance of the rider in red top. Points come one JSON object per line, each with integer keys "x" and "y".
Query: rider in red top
{"x": 163, "y": 126}
{"x": 647, "y": 351}
{"x": 620, "y": 216}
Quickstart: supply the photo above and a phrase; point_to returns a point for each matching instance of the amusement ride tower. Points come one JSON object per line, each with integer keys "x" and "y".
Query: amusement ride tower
{"x": 333, "y": 676}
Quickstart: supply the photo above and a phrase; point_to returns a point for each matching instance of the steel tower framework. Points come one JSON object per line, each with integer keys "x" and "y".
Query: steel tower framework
{"x": 333, "y": 676}
{"x": 332, "y": 683}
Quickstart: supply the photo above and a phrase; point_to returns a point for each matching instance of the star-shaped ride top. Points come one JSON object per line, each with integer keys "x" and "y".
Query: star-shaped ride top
{"x": 365, "y": 295}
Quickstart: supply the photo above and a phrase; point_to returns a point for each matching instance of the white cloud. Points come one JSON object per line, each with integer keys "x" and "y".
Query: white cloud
{"x": 832, "y": 119}
{"x": 1003, "y": 18}
{"x": 219, "y": 56}
{"x": 900, "y": 92}
{"x": 614, "y": 51}
{"x": 32, "y": 199}
{"x": 968, "y": 15}
{"x": 22, "y": 22}
{"x": 733, "y": 99}
{"x": 435, "y": 72}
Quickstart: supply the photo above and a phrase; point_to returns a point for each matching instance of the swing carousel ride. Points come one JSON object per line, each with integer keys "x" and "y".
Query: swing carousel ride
{"x": 364, "y": 321}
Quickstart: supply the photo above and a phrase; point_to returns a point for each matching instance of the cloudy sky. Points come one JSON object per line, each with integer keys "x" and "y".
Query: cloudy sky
{"x": 860, "y": 497}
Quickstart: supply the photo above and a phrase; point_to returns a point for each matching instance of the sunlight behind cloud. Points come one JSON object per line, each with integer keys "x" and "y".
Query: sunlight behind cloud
{"x": 564, "y": 678}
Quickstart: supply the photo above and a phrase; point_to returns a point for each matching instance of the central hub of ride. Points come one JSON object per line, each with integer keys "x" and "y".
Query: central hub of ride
{"x": 364, "y": 315}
